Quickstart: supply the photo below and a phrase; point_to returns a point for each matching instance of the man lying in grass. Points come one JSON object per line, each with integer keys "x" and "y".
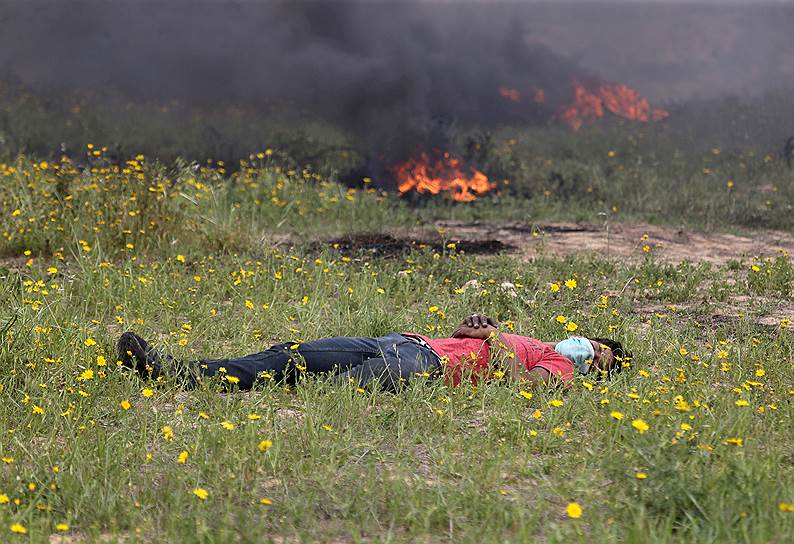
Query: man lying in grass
{"x": 477, "y": 348}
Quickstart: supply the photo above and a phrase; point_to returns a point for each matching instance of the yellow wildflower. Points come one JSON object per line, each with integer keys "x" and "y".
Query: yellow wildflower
{"x": 573, "y": 510}
{"x": 201, "y": 493}
{"x": 640, "y": 425}
{"x": 168, "y": 433}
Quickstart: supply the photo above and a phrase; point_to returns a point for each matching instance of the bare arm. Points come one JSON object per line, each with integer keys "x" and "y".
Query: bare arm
{"x": 473, "y": 325}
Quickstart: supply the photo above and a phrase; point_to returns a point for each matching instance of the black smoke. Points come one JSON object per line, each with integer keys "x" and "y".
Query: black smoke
{"x": 374, "y": 68}
{"x": 390, "y": 74}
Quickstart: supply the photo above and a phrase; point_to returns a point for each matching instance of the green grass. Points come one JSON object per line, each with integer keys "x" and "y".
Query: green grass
{"x": 153, "y": 207}
{"x": 715, "y": 164}
{"x": 201, "y": 277}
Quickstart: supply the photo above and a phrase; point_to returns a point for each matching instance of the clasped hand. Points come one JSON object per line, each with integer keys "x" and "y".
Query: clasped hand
{"x": 476, "y": 326}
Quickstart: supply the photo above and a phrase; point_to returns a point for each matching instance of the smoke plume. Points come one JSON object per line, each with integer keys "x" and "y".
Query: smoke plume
{"x": 380, "y": 68}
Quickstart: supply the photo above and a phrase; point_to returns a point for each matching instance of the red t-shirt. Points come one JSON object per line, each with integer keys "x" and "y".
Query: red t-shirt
{"x": 472, "y": 355}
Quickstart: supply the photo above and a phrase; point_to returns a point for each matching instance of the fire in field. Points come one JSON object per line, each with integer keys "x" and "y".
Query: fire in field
{"x": 424, "y": 271}
{"x": 438, "y": 172}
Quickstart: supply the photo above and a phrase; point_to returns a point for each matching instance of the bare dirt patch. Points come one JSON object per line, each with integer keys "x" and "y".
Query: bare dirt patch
{"x": 621, "y": 240}
{"x": 761, "y": 311}
{"x": 530, "y": 240}
{"x": 79, "y": 538}
{"x": 11, "y": 264}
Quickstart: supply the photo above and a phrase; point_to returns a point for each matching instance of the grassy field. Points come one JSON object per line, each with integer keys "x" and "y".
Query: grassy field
{"x": 693, "y": 442}
{"x": 715, "y": 163}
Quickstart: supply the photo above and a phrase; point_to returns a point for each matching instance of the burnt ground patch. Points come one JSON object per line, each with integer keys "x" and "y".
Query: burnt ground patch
{"x": 387, "y": 245}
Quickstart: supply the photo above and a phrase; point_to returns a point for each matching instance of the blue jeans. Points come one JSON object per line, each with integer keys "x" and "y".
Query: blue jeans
{"x": 392, "y": 359}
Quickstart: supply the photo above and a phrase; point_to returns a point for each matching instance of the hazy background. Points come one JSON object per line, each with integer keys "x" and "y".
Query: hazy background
{"x": 256, "y": 49}
{"x": 381, "y": 71}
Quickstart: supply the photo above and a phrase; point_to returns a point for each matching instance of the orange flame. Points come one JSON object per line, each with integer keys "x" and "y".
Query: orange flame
{"x": 514, "y": 95}
{"x": 626, "y": 102}
{"x": 586, "y": 106}
{"x": 442, "y": 174}
{"x": 619, "y": 99}
{"x": 591, "y": 104}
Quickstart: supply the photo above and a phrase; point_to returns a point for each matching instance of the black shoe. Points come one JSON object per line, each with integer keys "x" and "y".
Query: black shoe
{"x": 135, "y": 352}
